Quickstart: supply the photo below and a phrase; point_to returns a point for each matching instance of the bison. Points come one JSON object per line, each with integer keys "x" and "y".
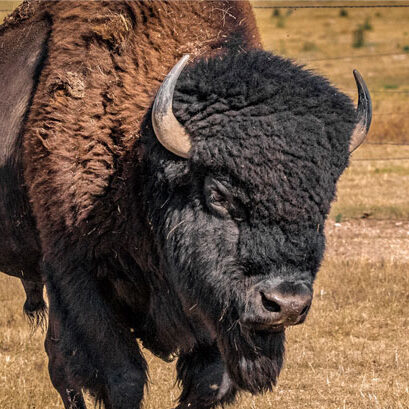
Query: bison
{"x": 186, "y": 212}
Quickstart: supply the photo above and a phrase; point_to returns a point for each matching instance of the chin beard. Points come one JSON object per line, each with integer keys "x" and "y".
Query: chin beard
{"x": 253, "y": 359}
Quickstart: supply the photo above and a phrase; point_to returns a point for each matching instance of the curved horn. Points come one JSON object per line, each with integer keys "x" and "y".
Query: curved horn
{"x": 170, "y": 133}
{"x": 364, "y": 113}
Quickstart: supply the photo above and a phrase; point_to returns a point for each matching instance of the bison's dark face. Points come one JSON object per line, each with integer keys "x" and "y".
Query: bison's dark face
{"x": 240, "y": 221}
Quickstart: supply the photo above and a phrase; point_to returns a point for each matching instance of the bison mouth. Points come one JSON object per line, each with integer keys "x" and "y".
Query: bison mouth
{"x": 264, "y": 330}
{"x": 253, "y": 358}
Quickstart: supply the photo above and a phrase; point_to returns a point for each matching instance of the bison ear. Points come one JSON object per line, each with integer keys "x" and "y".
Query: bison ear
{"x": 22, "y": 52}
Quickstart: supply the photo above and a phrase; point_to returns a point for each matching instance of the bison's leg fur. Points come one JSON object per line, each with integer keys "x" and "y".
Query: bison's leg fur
{"x": 100, "y": 353}
{"x": 71, "y": 396}
{"x": 34, "y": 307}
{"x": 205, "y": 381}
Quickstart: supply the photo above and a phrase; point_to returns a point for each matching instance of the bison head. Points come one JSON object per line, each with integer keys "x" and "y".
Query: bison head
{"x": 238, "y": 199}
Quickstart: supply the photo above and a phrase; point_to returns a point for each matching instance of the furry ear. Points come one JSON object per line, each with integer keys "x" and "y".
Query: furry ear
{"x": 23, "y": 49}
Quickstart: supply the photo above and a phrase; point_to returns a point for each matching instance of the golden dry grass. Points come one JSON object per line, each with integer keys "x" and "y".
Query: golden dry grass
{"x": 353, "y": 351}
{"x": 6, "y": 7}
{"x": 319, "y": 37}
{"x": 375, "y": 188}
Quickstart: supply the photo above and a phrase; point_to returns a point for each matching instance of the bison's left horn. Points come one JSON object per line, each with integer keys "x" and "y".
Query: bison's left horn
{"x": 169, "y": 131}
{"x": 364, "y": 113}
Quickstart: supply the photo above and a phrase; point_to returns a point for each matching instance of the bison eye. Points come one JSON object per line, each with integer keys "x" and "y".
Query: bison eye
{"x": 219, "y": 199}
{"x": 217, "y": 196}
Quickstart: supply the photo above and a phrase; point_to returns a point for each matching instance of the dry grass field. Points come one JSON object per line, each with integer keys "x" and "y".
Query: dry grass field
{"x": 324, "y": 41}
{"x": 353, "y": 351}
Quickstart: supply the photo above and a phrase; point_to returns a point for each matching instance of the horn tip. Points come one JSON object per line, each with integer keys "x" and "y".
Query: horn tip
{"x": 185, "y": 58}
{"x": 364, "y": 112}
{"x": 357, "y": 75}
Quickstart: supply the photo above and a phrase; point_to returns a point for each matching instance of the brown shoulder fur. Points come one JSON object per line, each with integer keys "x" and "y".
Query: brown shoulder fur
{"x": 27, "y": 10}
{"x": 105, "y": 62}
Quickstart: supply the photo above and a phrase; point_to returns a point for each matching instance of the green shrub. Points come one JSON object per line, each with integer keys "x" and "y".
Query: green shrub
{"x": 359, "y": 37}
{"x": 276, "y": 13}
{"x": 367, "y": 24}
{"x": 343, "y": 13}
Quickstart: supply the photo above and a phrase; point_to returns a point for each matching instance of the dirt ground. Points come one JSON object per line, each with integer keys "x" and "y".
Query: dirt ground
{"x": 372, "y": 240}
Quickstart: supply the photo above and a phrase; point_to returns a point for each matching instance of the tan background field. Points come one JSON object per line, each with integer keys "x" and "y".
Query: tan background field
{"x": 353, "y": 351}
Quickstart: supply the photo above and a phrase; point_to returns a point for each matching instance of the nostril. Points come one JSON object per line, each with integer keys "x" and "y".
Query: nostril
{"x": 269, "y": 305}
{"x": 305, "y": 309}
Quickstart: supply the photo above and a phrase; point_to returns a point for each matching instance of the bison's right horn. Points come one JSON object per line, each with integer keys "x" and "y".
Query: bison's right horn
{"x": 169, "y": 131}
{"x": 364, "y": 113}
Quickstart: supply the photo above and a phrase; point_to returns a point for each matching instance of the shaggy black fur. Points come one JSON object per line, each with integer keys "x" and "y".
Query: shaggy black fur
{"x": 276, "y": 137}
{"x": 204, "y": 379}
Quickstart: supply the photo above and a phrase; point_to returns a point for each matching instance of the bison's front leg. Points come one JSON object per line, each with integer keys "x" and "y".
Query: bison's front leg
{"x": 70, "y": 394}
{"x": 205, "y": 381}
{"x": 99, "y": 353}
